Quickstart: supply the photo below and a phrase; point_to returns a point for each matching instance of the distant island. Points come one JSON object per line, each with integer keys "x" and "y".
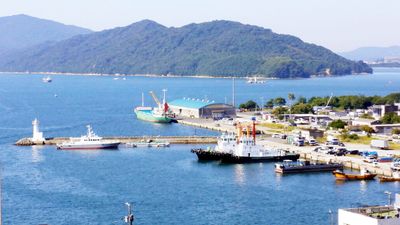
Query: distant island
{"x": 217, "y": 48}
{"x": 376, "y": 56}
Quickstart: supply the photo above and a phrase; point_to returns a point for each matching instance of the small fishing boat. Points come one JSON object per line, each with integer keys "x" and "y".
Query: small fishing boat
{"x": 395, "y": 177}
{"x": 47, "y": 79}
{"x": 364, "y": 175}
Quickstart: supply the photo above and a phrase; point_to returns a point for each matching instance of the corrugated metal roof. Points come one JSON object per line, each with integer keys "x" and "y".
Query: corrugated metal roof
{"x": 190, "y": 103}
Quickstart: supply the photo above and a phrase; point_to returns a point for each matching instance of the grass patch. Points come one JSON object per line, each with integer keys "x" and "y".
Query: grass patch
{"x": 277, "y": 126}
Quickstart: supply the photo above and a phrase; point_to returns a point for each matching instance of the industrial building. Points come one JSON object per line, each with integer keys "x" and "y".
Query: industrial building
{"x": 197, "y": 108}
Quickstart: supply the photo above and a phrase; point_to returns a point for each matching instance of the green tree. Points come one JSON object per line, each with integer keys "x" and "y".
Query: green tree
{"x": 279, "y": 111}
{"x": 279, "y": 101}
{"x": 367, "y": 129}
{"x": 301, "y": 108}
{"x": 390, "y": 118}
{"x": 249, "y": 105}
{"x": 291, "y": 98}
{"x": 337, "y": 124}
{"x": 269, "y": 104}
{"x": 396, "y": 131}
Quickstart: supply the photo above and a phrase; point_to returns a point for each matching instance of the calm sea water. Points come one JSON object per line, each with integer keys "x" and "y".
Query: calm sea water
{"x": 167, "y": 186}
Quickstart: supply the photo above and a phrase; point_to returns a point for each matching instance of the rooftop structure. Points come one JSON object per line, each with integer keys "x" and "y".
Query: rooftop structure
{"x": 372, "y": 215}
{"x": 200, "y": 108}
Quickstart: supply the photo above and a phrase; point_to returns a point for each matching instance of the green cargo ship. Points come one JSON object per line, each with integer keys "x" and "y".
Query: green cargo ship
{"x": 152, "y": 115}
{"x": 160, "y": 114}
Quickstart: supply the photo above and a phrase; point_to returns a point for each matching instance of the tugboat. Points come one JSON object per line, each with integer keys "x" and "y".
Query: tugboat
{"x": 364, "y": 175}
{"x": 247, "y": 151}
{"x": 225, "y": 144}
{"x": 88, "y": 141}
{"x": 302, "y": 166}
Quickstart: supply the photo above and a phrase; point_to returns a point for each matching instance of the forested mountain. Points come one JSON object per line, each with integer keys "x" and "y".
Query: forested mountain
{"x": 218, "y": 48}
{"x": 21, "y": 31}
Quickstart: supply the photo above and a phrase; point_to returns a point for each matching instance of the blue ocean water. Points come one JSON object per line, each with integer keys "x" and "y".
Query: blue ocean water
{"x": 167, "y": 186}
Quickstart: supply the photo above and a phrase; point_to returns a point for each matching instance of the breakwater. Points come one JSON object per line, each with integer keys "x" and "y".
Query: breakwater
{"x": 170, "y": 139}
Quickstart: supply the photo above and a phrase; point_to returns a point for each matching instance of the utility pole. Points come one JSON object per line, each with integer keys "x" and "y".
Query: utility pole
{"x": 233, "y": 91}
{"x": 129, "y": 218}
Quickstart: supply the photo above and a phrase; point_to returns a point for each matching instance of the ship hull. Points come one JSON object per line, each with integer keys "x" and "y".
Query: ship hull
{"x": 343, "y": 176}
{"x": 88, "y": 146}
{"x": 229, "y": 158}
{"x": 147, "y": 115}
{"x": 208, "y": 155}
{"x": 310, "y": 168}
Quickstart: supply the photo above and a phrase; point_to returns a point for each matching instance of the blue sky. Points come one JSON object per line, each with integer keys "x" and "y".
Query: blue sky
{"x": 340, "y": 25}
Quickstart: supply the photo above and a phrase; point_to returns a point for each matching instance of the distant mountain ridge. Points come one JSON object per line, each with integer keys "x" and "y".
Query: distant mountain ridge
{"x": 372, "y": 53}
{"x": 217, "y": 48}
{"x": 21, "y": 31}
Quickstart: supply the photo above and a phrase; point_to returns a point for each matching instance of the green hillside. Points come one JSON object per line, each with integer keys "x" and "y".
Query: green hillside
{"x": 218, "y": 48}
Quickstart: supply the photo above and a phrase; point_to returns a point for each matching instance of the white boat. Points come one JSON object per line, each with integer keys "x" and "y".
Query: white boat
{"x": 148, "y": 143}
{"x": 225, "y": 143}
{"x": 255, "y": 80}
{"x": 88, "y": 141}
{"x": 247, "y": 150}
{"x": 47, "y": 79}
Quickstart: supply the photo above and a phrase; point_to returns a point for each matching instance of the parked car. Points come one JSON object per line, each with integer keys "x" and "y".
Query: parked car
{"x": 312, "y": 142}
{"x": 353, "y": 152}
{"x": 370, "y": 159}
{"x": 276, "y": 135}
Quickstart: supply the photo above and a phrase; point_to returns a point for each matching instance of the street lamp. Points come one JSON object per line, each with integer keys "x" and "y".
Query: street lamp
{"x": 389, "y": 194}
{"x": 331, "y": 216}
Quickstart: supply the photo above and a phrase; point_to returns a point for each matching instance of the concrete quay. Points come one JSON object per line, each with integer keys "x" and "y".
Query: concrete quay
{"x": 124, "y": 140}
{"x": 349, "y": 162}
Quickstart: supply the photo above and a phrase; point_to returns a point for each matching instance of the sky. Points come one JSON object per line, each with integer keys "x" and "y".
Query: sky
{"x": 340, "y": 25}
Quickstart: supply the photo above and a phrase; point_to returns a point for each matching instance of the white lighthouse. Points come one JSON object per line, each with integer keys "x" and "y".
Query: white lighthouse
{"x": 37, "y": 136}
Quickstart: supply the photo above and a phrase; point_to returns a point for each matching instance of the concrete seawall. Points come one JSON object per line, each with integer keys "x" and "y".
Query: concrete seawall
{"x": 170, "y": 139}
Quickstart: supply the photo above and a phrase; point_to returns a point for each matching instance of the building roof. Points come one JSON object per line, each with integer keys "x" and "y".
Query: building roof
{"x": 191, "y": 103}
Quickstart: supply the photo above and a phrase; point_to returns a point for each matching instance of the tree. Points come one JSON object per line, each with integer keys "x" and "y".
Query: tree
{"x": 291, "y": 97}
{"x": 302, "y": 100}
{"x": 279, "y": 111}
{"x": 279, "y": 101}
{"x": 390, "y": 118}
{"x": 249, "y": 105}
{"x": 337, "y": 124}
{"x": 367, "y": 129}
{"x": 301, "y": 108}
{"x": 269, "y": 104}
{"x": 396, "y": 131}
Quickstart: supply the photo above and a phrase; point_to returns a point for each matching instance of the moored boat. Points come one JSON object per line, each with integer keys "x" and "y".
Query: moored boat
{"x": 225, "y": 144}
{"x": 364, "y": 175}
{"x": 88, "y": 142}
{"x": 302, "y": 166}
{"x": 159, "y": 114}
{"x": 248, "y": 151}
{"x": 395, "y": 176}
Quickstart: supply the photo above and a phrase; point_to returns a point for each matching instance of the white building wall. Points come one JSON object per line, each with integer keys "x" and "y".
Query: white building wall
{"x": 350, "y": 218}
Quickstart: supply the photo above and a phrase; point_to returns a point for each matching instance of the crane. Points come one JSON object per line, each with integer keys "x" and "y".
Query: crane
{"x": 155, "y": 98}
{"x": 329, "y": 100}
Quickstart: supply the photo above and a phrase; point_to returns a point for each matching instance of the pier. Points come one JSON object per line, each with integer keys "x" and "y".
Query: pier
{"x": 124, "y": 140}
